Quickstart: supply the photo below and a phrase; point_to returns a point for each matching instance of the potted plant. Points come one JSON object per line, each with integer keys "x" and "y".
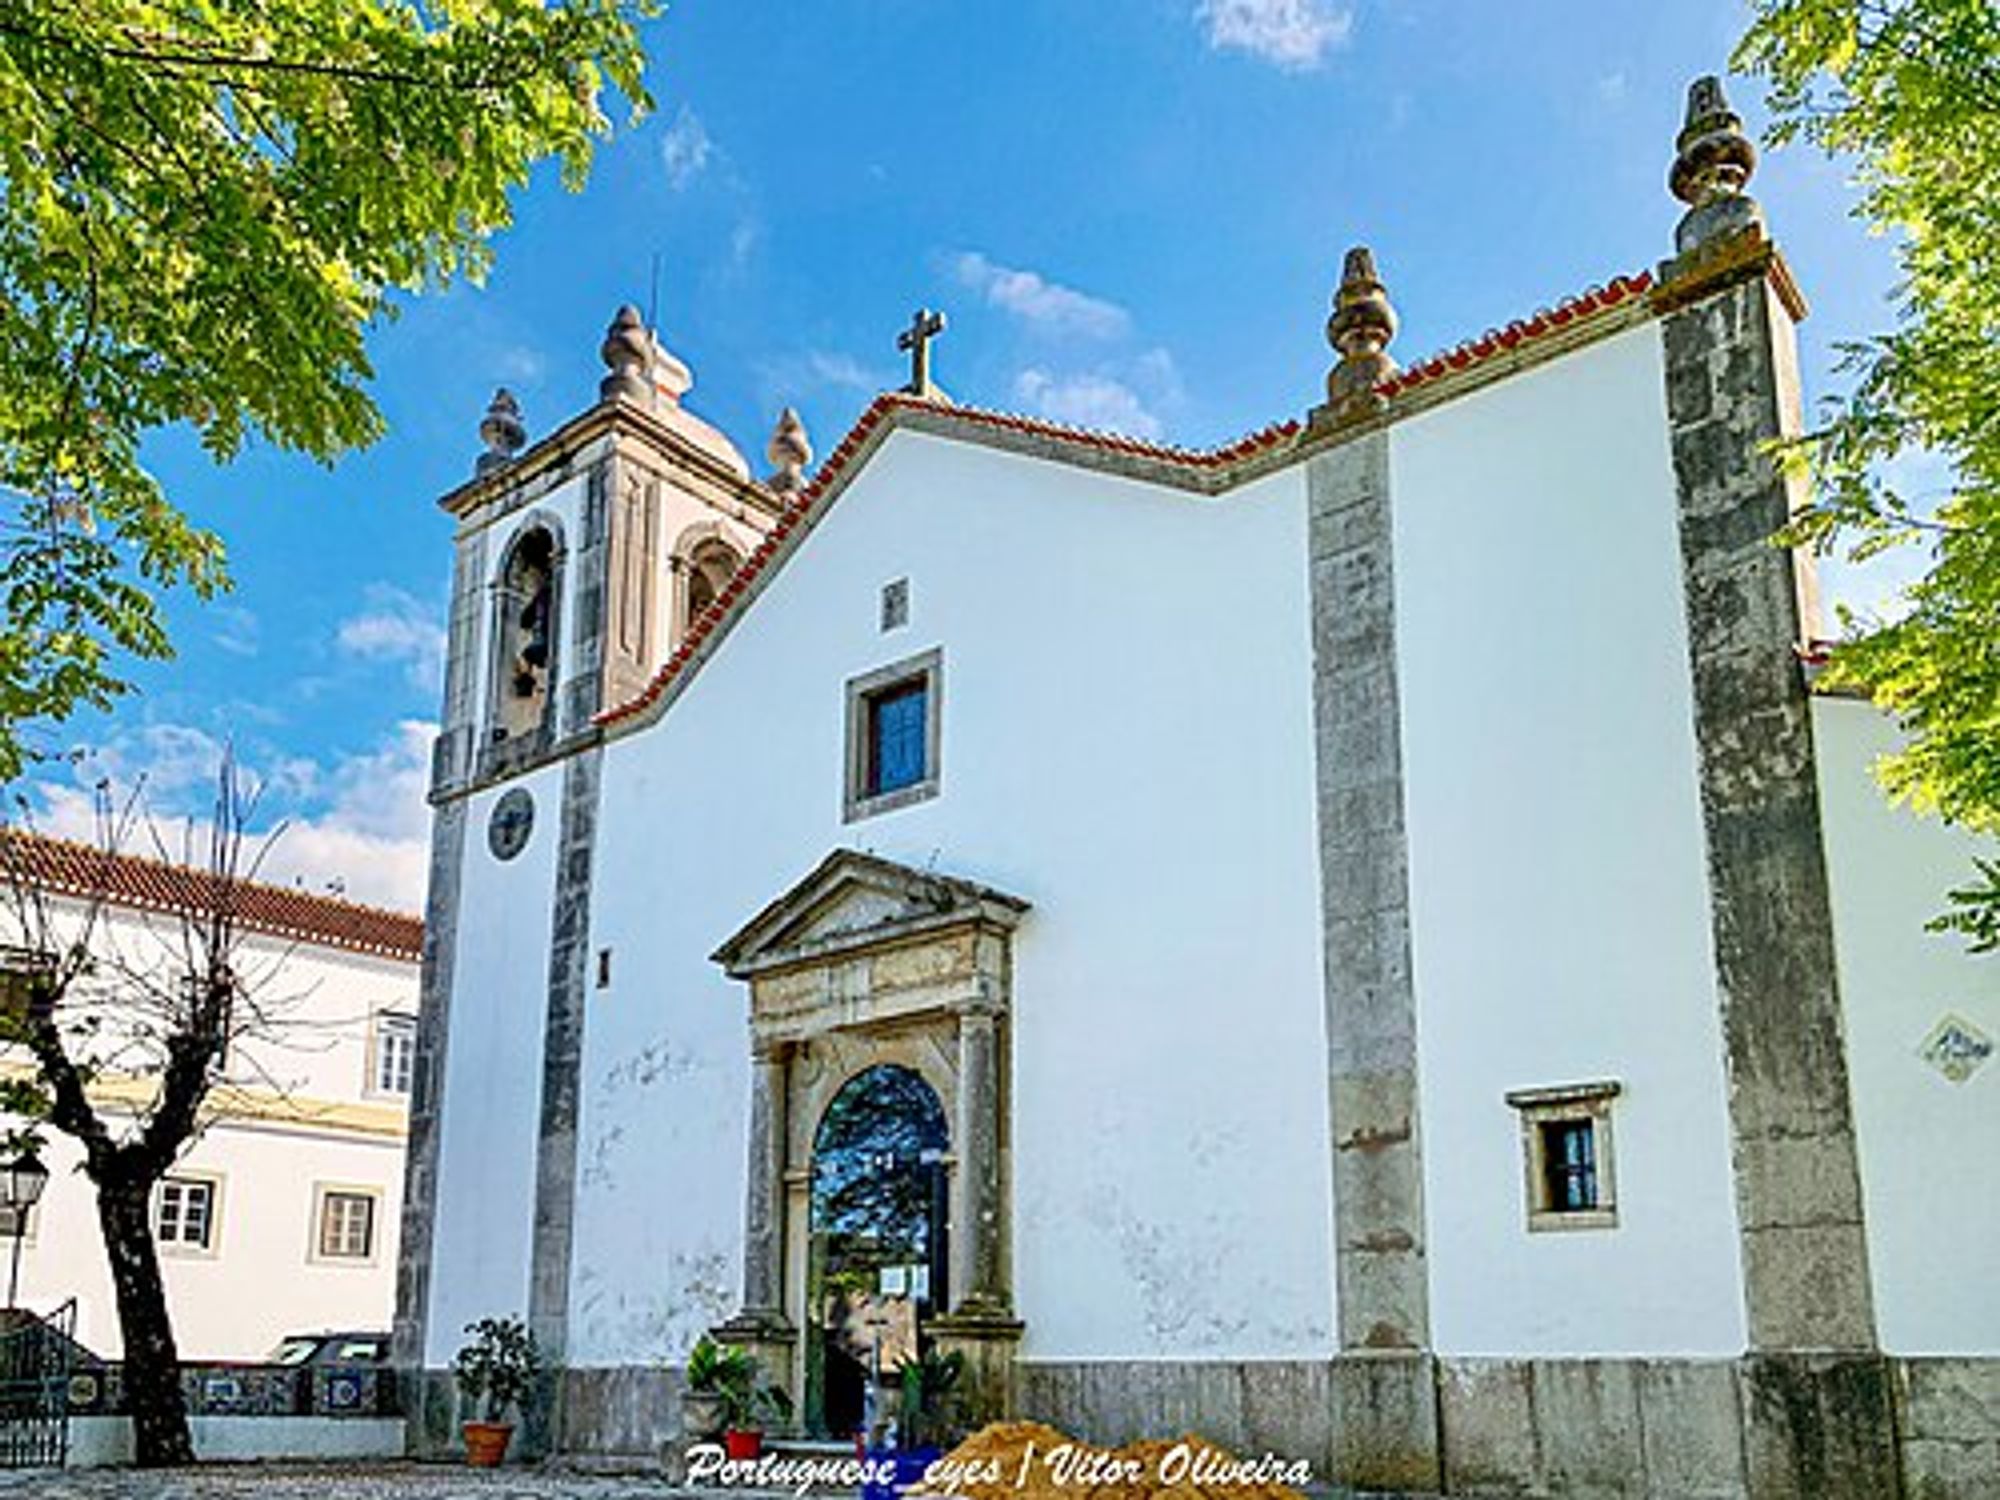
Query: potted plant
{"x": 495, "y": 1373}
{"x": 711, "y": 1367}
{"x": 748, "y": 1402}
{"x": 924, "y": 1420}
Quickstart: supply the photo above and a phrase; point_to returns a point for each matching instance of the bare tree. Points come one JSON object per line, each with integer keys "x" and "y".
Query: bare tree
{"x": 164, "y": 1009}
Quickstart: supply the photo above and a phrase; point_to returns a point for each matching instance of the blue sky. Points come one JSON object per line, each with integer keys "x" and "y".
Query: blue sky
{"x": 1132, "y": 210}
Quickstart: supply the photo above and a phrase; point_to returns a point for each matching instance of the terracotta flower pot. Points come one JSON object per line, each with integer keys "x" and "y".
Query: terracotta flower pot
{"x": 739, "y": 1446}
{"x": 486, "y": 1443}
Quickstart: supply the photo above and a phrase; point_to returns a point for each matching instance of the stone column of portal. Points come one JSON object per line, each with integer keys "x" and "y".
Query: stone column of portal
{"x": 764, "y": 1206}
{"x": 1818, "y": 1407}
{"x": 1383, "y": 1422}
{"x": 976, "y": 1266}
{"x": 981, "y": 1326}
{"x": 761, "y": 1327}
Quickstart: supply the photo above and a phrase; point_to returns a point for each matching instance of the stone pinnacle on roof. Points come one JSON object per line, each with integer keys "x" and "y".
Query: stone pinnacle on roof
{"x": 1713, "y": 160}
{"x": 628, "y": 353}
{"x": 502, "y": 432}
{"x": 790, "y": 451}
{"x": 1360, "y": 329}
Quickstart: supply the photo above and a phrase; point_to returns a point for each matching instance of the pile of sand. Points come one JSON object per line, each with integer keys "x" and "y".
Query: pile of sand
{"x": 1031, "y": 1461}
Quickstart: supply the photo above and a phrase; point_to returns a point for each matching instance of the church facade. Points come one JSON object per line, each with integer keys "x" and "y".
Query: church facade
{"x": 1363, "y": 943}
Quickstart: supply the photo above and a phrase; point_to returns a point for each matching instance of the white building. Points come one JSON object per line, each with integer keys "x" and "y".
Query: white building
{"x": 1362, "y": 942}
{"x": 282, "y": 1215}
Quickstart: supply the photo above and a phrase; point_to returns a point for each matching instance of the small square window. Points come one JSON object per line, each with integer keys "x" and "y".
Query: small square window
{"x": 184, "y": 1213}
{"x": 892, "y": 736}
{"x": 346, "y": 1225}
{"x": 1566, "y": 1142}
{"x": 395, "y": 1052}
{"x": 895, "y": 604}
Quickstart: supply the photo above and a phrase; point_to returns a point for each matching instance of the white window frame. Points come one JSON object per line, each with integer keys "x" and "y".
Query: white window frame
{"x": 323, "y": 1195}
{"x": 387, "y": 1024}
{"x": 178, "y": 1246}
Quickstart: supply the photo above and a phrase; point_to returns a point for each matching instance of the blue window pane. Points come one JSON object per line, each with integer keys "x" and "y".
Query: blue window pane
{"x": 1570, "y": 1152}
{"x": 896, "y": 725}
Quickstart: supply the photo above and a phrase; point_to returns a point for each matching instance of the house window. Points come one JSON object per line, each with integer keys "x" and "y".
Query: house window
{"x": 1566, "y": 1145}
{"x": 893, "y": 735}
{"x": 346, "y": 1225}
{"x": 395, "y": 1052}
{"x": 184, "y": 1216}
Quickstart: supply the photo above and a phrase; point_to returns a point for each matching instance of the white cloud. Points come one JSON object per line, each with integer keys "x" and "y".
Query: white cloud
{"x": 395, "y": 626}
{"x": 520, "y": 365}
{"x": 1045, "y": 306}
{"x": 1091, "y": 399}
{"x": 685, "y": 149}
{"x": 789, "y": 377}
{"x": 1291, "y": 34}
{"x": 236, "y": 629}
{"x": 359, "y": 826}
{"x": 1613, "y": 88}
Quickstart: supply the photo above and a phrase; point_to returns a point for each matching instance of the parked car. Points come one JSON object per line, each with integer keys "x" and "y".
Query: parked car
{"x": 330, "y": 1349}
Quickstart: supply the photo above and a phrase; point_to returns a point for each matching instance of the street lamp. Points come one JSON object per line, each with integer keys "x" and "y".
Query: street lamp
{"x": 21, "y": 1184}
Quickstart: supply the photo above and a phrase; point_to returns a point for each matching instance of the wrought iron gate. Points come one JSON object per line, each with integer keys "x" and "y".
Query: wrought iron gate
{"x": 35, "y": 1356}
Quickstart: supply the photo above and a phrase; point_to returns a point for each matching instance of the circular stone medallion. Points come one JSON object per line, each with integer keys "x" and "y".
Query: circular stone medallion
{"x": 512, "y": 821}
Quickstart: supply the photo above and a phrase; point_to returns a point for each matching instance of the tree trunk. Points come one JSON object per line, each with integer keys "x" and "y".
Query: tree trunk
{"x": 152, "y": 1367}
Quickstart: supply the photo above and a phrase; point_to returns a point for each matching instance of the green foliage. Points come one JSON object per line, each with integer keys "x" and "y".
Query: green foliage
{"x": 712, "y": 1366}
{"x": 1909, "y": 92}
{"x": 732, "y": 1373}
{"x": 203, "y": 208}
{"x": 929, "y": 1383}
{"x": 497, "y": 1370}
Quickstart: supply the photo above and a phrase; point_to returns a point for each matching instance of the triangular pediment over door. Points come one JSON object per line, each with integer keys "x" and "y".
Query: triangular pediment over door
{"x": 853, "y": 902}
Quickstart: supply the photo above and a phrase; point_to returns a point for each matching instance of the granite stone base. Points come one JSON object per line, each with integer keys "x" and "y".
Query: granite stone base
{"x": 1764, "y": 1427}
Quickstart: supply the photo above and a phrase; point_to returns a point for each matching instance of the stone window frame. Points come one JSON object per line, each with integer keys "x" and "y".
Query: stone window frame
{"x": 1541, "y": 1107}
{"x": 322, "y": 1194}
{"x": 180, "y": 1248}
{"x": 857, "y": 803}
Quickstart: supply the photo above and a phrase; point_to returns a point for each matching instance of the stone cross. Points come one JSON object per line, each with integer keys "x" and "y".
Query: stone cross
{"x": 915, "y": 341}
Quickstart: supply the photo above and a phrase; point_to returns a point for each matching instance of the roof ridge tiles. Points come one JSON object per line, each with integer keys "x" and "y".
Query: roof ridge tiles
{"x": 67, "y": 867}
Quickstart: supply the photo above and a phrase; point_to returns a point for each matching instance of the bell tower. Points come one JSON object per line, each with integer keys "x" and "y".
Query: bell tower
{"x": 582, "y": 557}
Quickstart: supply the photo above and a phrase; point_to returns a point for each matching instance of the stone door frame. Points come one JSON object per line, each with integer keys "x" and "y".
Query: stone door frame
{"x": 867, "y": 962}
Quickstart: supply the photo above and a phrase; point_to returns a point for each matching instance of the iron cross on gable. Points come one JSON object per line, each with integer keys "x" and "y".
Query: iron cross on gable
{"x": 915, "y": 341}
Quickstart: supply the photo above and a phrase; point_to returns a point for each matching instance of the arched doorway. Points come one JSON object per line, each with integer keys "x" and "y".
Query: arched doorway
{"x": 878, "y": 1258}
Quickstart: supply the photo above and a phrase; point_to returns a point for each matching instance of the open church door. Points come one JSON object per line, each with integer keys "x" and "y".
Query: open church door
{"x": 877, "y": 1263}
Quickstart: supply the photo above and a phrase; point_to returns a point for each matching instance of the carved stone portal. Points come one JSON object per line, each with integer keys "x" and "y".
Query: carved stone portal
{"x": 867, "y": 964}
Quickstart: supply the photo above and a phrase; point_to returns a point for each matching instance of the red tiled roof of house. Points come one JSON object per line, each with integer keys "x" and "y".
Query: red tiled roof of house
{"x": 62, "y": 867}
{"x": 1565, "y": 315}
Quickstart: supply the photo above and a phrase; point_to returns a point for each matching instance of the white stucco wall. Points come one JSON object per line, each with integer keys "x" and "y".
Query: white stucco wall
{"x": 261, "y": 1278}
{"x": 493, "y": 1072}
{"x": 1925, "y": 1143}
{"x": 1127, "y": 744}
{"x": 1558, "y": 888}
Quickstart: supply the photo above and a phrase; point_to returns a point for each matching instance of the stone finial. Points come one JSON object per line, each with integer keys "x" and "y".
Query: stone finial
{"x": 789, "y": 451}
{"x": 627, "y": 353}
{"x": 501, "y": 431}
{"x": 1360, "y": 329}
{"x": 1713, "y": 160}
